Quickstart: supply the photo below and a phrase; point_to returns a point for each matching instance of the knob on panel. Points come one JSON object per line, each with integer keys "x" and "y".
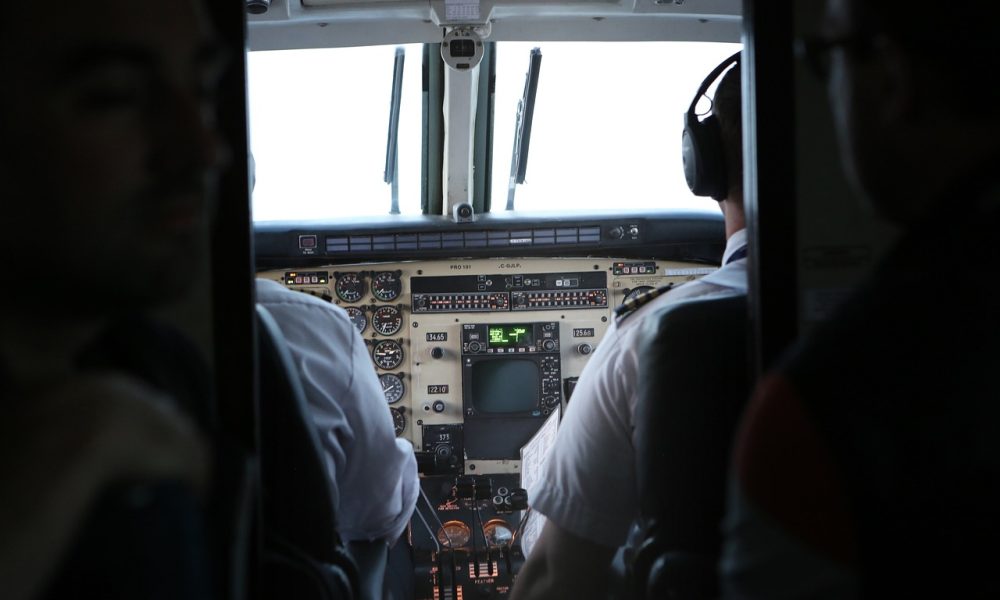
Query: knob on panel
{"x": 518, "y": 499}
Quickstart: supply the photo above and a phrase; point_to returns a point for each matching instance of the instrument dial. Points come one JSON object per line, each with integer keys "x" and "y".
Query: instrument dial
{"x": 386, "y": 285}
{"x": 454, "y": 534}
{"x": 398, "y": 420}
{"x": 498, "y": 532}
{"x": 350, "y": 287}
{"x": 392, "y": 387}
{"x": 358, "y": 318}
{"x": 387, "y": 320}
{"x": 387, "y": 354}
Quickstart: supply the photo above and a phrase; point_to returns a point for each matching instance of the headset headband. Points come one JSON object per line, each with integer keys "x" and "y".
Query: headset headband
{"x": 710, "y": 79}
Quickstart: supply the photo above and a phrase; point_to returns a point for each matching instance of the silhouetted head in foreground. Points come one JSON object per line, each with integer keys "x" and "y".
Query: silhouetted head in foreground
{"x": 905, "y": 84}
{"x": 108, "y": 151}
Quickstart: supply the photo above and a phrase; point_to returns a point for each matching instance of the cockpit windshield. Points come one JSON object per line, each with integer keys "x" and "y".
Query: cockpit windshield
{"x": 606, "y": 128}
{"x": 318, "y": 123}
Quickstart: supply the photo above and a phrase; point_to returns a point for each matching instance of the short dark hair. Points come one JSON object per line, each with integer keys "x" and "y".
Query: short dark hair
{"x": 727, "y": 107}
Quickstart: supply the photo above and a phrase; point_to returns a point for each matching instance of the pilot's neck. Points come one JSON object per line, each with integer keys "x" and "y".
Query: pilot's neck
{"x": 732, "y": 212}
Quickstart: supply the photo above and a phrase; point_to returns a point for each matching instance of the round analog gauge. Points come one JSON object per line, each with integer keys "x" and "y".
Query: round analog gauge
{"x": 637, "y": 291}
{"x": 498, "y": 532}
{"x": 392, "y": 386}
{"x": 454, "y": 534}
{"x": 387, "y": 354}
{"x": 398, "y": 420}
{"x": 358, "y": 318}
{"x": 387, "y": 320}
{"x": 350, "y": 287}
{"x": 386, "y": 285}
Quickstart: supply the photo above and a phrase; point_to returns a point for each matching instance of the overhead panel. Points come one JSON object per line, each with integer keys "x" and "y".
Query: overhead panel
{"x": 484, "y": 2}
{"x": 310, "y": 3}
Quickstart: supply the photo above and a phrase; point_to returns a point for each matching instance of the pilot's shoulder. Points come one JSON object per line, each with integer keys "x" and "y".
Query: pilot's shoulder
{"x": 630, "y": 307}
{"x": 273, "y": 295}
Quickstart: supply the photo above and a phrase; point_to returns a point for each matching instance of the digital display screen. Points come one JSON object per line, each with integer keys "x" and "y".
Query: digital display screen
{"x": 504, "y": 336}
{"x": 505, "y": 386}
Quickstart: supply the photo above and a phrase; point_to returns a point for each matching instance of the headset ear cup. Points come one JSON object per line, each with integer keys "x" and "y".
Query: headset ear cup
{"x": 702, "y": 149}
{"x": 703, "y": 156}
{"x": 714, "y": 156}
{"x": 689, "y": 152}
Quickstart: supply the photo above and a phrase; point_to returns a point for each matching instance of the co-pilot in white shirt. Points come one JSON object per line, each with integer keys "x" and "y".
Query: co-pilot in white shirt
{"x": 590, "y": 486}
{"x": 375, "y": 474}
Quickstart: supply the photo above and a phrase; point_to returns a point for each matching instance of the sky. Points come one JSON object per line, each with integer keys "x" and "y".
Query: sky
{"x": 607, "y": 127}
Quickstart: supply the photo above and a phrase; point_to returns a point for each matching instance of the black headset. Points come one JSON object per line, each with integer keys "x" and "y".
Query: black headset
{"x": 702, "y": 148}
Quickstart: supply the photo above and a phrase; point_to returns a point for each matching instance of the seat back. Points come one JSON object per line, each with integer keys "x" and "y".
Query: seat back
{"x": 695, "y": 378}
{"x": 302, "y": 550}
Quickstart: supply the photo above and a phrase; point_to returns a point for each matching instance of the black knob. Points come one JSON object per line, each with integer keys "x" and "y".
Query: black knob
{"x": 548, "y": 345}
{"x": 616, "y": 232}
{"x": 258, "y": 7}
{"x": 437, "y": 352}
{"x": 475, "y": 346}
{"x": 519, "y": 499}
{"x": 585, "y": 349}
{"x": 443, "y": 452}
{"x": 438, "y": 406}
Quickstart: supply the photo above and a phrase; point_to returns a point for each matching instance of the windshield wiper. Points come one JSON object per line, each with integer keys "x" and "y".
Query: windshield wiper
{"x": 391, "y": 175}
{"x": 522, "y": 125}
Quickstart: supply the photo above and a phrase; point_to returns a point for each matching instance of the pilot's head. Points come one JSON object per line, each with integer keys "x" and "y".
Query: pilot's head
{"x": 108, "y": 150}
{"x": 906, "y": 84}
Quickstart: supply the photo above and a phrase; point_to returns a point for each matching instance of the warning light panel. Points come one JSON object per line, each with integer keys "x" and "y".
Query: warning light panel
{"x": 307, "y": 278}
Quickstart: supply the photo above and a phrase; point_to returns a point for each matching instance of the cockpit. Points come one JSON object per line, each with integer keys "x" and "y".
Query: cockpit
{"x": 480, "y": 186}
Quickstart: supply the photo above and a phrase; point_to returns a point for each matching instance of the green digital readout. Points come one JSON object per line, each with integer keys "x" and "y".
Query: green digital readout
{"x": 509, "y": 335}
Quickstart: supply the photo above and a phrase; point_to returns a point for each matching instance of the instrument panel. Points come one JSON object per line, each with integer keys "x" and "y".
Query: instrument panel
{"x": 473, "y": 354}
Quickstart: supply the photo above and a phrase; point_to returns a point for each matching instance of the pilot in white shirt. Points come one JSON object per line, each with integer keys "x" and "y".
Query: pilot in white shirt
{"x": 590, "y": 488}
{"x": 375, "y": 473}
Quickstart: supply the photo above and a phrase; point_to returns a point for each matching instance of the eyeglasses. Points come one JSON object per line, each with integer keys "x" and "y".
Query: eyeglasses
{"x": 814, "y": 51}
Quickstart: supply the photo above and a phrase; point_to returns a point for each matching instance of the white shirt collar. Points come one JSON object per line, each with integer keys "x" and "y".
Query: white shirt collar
{"x": 734, "y": 243}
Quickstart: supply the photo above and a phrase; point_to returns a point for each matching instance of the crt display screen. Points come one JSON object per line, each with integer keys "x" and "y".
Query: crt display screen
{"x": 503, "y": 386}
